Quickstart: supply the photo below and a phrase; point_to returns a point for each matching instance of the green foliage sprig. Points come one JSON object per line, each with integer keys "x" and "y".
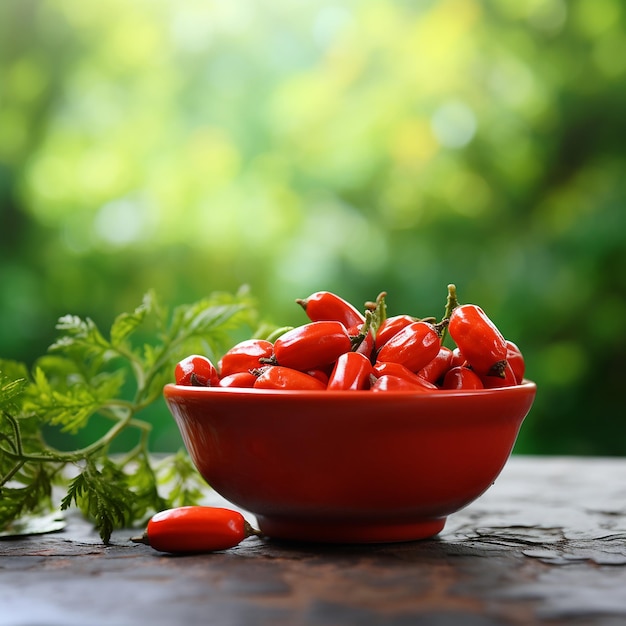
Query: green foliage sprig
{"x": 85, "y": 374}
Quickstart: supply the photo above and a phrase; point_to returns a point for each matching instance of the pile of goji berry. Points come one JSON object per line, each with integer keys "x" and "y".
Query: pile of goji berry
{"x": 341, "y": 348}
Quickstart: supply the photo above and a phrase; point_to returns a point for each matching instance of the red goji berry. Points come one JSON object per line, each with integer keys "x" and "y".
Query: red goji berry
{"x": 397, "y": 370}
{"x": 279, "y": 377}
{"x": 245, "y": 356}
{"x": 414, "y": 346}
{"x": 195, "y": 529}
{"x": 507, "y": 379}
{"x": 196, "y": 370}
{"x": 324, "y": 306}
{"x": 390, "y": 327}
{"x": 366, "y": 346}
{"x": 387, "y": 382}
{"x": 320, "y": 374}
{"x": 238, "y": 379}
{"x": 457, "y": 358}
{"x": 515, "y": 358}
{"x": 478, "y": 339}
{"x": 460, "y": 377}
{"x": 312, "y": 345}
{"x": 436, "y": 369}
{"x": 352, "y": 371}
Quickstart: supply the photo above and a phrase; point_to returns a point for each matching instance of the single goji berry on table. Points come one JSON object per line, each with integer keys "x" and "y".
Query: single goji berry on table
{"x": 195, "y": 529}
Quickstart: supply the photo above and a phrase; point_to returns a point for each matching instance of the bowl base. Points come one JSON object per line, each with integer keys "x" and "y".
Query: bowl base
{"x": 348, "y": 531}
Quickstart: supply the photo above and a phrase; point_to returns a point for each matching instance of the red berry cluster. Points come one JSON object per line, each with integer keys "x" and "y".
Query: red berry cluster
{"x": 341, "y": 348}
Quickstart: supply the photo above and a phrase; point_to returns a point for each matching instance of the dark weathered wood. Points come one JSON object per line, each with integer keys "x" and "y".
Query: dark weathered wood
{"x": 546, "y": 544}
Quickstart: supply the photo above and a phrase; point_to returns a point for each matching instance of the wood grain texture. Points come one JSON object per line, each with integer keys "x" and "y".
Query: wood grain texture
{"x": 546, "y": 544}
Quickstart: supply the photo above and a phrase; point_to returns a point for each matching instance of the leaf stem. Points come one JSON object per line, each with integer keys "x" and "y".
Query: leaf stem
{"x": 135, "y": 364}
{"x": 16, "y": 468}
{"x": 16, "y": 432}
{"x": 59, "y": 456}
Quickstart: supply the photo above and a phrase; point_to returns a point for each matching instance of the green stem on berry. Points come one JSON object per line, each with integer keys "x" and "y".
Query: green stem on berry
{"x": 451, "y": 303}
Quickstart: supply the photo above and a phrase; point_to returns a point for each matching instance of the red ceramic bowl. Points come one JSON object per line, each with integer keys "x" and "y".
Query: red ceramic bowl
{"x": 349, "y": 466}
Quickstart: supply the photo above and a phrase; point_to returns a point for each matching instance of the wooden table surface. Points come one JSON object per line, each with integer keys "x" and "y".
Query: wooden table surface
{"x": 545, "y": 545}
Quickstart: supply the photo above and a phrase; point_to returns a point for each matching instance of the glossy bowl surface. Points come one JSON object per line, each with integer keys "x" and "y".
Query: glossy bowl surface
{"x": 346, "y": 466}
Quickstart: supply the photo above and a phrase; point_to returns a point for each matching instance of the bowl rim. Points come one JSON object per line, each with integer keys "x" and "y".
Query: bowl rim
{"x": 171, "y": 389}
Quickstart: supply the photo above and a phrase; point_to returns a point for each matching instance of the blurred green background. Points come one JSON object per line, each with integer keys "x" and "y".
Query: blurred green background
{"x": 357, "y": 146}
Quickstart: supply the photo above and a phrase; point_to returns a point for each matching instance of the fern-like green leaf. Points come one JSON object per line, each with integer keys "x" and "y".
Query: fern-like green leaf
{"x": 126, "y": 323}
{"x": 103, "y": 496}
{"x": 81, "y": 337}
{"x": 142, "y": 481}
{"x": 71, "y": 407}
{"x": 31, "y": 493}
{"x": 184, "y": 483}
{"x": 10, "y": 390}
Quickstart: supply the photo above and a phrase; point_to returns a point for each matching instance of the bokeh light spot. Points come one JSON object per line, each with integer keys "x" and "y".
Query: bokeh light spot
{"x": 454, "y": 124}
{"x": 121, "y": 222}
